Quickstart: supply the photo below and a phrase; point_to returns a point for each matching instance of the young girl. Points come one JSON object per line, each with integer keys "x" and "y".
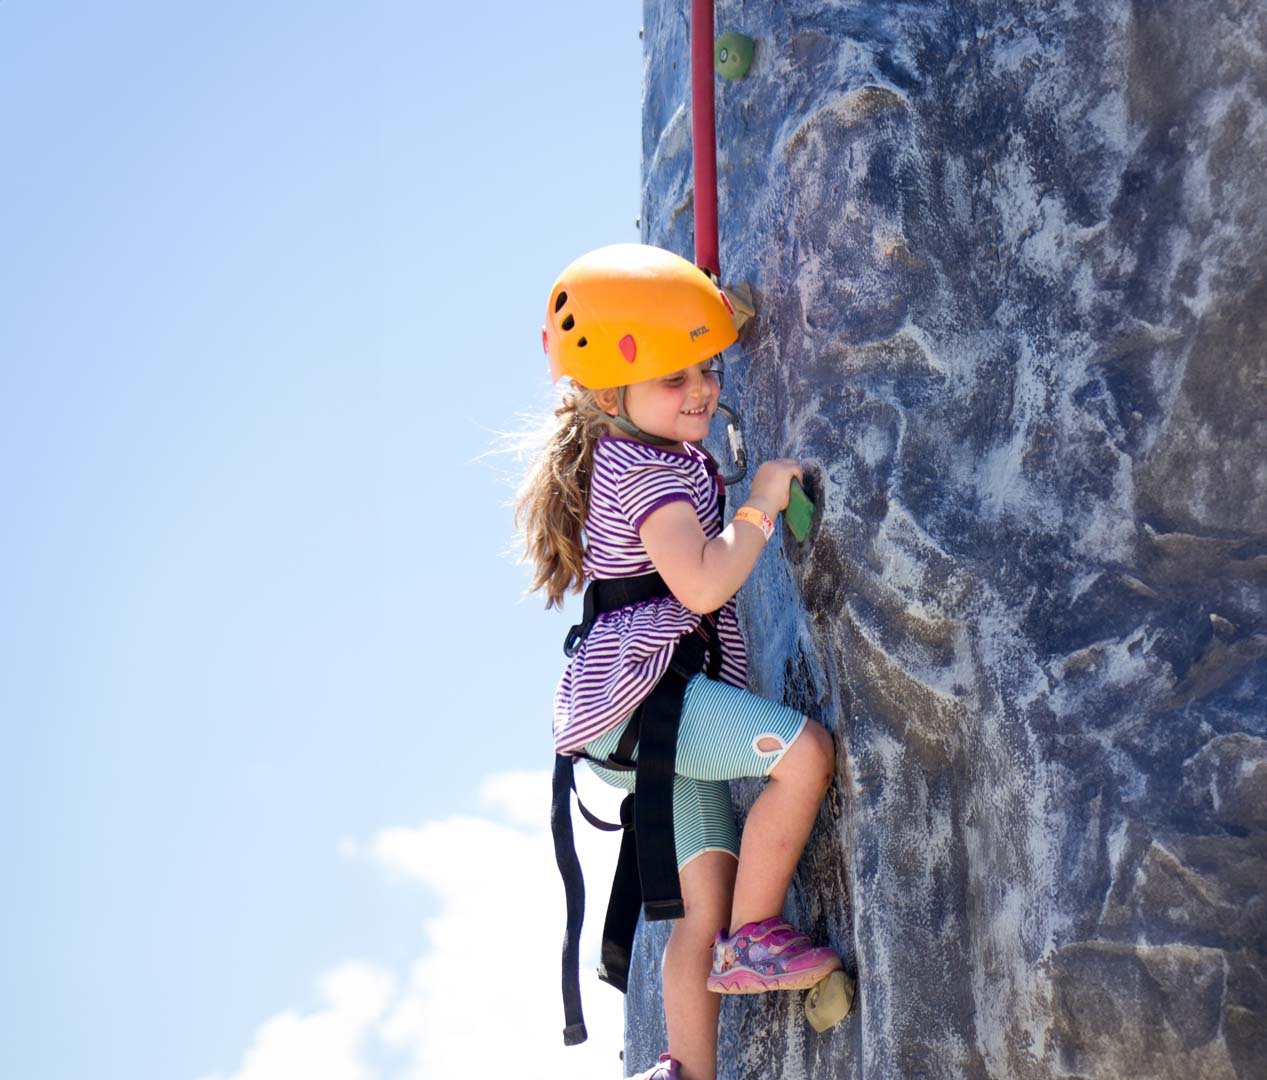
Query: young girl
{"x": 621, "y": 489}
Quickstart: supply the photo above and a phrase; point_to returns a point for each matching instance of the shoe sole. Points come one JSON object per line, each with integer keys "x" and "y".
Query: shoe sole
{"x": 746, "y": 981}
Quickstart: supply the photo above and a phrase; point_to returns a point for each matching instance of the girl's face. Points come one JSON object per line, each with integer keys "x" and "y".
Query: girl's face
{"x": 677, "y": 406}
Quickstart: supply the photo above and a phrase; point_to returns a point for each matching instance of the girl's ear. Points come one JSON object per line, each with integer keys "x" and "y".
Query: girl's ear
{"x": 606, "y": 400}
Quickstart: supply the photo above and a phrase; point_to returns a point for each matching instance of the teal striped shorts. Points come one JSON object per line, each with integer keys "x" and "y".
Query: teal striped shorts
{"x": 717, "y": 742}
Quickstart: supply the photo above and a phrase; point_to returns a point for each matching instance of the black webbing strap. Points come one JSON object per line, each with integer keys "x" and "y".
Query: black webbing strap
{"x": 623, "y": 756}
{"x": 708, "y": 626}
{"x": 622, "y": 908}
{"x": 646, "y": 873}
{"x": 574, "y": 889}
{"x": 653, "y": 791}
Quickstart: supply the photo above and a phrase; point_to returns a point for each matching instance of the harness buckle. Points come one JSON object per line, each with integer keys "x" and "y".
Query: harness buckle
{"x": 589, "y": 613}
{"x": 572, "y": 643}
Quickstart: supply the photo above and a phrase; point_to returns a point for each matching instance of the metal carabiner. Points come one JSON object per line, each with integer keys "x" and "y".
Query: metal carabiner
{"x": 734, "y": 438}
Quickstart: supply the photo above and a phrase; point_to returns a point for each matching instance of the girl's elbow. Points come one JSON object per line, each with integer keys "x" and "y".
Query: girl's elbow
{"x": 694, "y": 599}
{"x": 702, "y": 601}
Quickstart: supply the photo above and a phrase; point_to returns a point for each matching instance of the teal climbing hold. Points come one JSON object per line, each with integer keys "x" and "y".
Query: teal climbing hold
{"x": 799, "y": 513}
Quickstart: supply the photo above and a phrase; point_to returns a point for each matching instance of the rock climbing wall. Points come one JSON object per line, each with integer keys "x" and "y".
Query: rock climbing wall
{"x": 1010, "y": 267}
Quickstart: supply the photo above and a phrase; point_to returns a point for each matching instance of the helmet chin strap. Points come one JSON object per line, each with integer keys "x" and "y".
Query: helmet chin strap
{"x": 734, "y": 431}
{"x": 630, "y": 428}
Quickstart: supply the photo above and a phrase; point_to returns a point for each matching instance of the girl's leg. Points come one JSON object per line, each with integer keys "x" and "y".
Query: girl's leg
{"x": 707, "y": 847}
{"x": 690, "y": 1008}
{"x": 779, "y": 824}
{"x": 727, "y": 732}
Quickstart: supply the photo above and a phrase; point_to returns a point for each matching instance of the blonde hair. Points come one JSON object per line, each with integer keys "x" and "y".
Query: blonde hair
{"x": 552, "y": 498}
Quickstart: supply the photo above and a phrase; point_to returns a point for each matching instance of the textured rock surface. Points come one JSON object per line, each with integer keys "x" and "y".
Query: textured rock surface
{"x": 1012, "y": 314}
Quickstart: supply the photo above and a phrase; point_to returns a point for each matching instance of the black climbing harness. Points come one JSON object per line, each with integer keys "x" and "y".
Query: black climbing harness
{"x": 646, "y": 872}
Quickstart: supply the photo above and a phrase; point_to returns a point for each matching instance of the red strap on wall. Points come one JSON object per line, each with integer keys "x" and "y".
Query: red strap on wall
{"x": 704, "y": 137}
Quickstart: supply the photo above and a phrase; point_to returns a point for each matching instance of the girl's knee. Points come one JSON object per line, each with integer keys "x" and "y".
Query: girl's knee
{"x": 812, "y": 757}
{"x": 825, "y": 747}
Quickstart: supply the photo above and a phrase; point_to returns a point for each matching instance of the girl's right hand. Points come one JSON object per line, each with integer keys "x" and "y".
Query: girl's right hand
{"x": 772, "y": 486}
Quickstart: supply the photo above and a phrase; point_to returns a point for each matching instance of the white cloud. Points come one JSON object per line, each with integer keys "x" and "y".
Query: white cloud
{"x": 483, "y": 998}
{"x": 486, "y": 992}
{"x": 325, "y": 1045}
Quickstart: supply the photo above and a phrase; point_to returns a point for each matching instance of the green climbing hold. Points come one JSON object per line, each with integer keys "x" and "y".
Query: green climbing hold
{"x": 732, "y": 55}
{"x": 799, "y": 513}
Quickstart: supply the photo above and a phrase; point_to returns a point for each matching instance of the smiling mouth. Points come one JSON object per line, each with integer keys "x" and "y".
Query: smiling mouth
{"x": 702, "y": 411}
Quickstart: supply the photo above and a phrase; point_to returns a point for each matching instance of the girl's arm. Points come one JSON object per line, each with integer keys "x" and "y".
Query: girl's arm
{"x": 703, "y": 574}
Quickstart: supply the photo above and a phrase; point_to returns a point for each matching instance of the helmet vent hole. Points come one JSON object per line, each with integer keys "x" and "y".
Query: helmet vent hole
{"x": 582, "y": 343}
{"x": 558, "y": 304}
{"x": 568, "y": 323}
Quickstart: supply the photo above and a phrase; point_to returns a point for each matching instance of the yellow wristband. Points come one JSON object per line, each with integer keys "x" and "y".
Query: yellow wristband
{"x": 756, "y": 517}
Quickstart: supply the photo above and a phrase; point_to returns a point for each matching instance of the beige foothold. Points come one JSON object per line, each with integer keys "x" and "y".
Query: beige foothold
{"x": 740, "y": 297}
{"x": 829, "y": 1002}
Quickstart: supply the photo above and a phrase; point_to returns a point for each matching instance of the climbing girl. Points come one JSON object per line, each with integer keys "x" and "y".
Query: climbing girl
{"x": 623, "y": 496}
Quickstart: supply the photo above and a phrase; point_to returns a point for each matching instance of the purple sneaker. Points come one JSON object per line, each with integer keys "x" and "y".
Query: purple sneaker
{"x": 665, "y": 1069}
{"x": 770, "y": 955}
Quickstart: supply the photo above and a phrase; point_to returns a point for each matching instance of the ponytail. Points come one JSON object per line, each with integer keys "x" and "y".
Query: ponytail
{"x": 551, "y": 502}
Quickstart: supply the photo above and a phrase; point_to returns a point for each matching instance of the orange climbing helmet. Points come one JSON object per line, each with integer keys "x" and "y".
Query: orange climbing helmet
{"x": 629, "y": 312}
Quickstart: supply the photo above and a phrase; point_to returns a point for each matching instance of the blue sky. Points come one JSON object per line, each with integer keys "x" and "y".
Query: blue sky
{"x": 273, "y": 275}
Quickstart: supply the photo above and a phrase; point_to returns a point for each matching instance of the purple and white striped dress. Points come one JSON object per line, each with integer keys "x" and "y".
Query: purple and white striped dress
{"x": 628, "y": 650}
